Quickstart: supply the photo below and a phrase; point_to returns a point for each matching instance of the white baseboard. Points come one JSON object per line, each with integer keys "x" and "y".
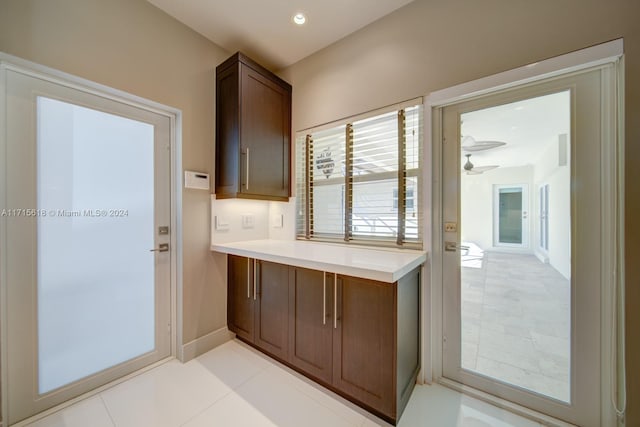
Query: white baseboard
{"x": 205, "y": 343}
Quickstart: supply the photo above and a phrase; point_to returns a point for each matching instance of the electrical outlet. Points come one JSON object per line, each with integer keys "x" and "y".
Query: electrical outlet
{"x": 248, "y": 221}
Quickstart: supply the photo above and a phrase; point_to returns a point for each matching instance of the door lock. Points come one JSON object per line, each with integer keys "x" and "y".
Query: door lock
{"x": 450, "y": 227}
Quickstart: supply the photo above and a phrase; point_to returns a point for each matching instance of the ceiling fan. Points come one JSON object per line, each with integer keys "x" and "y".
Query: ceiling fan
{"x": 476, "y": 170}
{"x": 469, "y": 144}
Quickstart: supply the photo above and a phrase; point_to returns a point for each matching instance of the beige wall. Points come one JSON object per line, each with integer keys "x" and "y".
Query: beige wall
{"x": 434, "y": 44}
{"x": 133, "y": 46}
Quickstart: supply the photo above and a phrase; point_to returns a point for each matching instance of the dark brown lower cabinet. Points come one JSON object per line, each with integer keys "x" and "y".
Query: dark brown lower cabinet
{"x": 272, "y": 308}
{"x": 240, "y": 318}
{"x": 310, "y": 323}
{"x": 364, "y": 342}
{"x": 358, "y": 337}
{"x": 258, "y": 303}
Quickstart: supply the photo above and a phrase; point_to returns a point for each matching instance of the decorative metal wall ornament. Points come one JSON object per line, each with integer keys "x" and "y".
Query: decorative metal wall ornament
{"x": 325, "y": 162}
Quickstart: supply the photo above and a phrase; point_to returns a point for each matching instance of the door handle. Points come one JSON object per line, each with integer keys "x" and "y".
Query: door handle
{"x": 453, "y": 246}
{"x": 162, "y": 247}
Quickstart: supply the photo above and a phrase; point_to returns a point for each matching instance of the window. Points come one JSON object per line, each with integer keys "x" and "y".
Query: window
{"x": 360, "y": 180}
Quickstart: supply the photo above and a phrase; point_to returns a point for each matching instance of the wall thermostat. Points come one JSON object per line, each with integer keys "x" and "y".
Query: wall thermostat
{"x": 196, "y": 180}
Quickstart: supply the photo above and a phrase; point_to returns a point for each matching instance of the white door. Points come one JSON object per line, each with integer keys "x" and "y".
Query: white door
{"x": 511, "y": 215}
{"x": 86, "y": 275}
{"x": 513, "y": 326}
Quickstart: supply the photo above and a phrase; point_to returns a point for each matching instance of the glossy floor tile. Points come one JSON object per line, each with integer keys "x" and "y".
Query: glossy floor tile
{"x": 234, "y": 385}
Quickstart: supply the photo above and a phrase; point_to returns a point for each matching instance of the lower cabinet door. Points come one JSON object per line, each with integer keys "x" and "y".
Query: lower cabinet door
{"x": 240, "y": 313}
{"x": 364, "y": 343}
{"x": 272, "y": 308}
{"x": 311, "y": 322}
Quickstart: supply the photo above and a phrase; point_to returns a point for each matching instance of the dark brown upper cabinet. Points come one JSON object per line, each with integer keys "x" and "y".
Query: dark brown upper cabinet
{"x": 253, "y": 132}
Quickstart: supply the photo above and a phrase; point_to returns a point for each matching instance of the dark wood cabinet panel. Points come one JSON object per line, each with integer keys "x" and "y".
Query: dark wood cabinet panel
{"x": 253, "y": 131}
{"x": 364, "y": 342}
{"x": 272, "y": 308}
{"x": 408, "y": 333}
{"x": 265, "y": 131}
{"x": 310, "y": 322}
{"x": 240, "y": 311}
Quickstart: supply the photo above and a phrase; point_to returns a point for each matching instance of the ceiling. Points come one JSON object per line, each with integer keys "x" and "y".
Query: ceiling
{"x": 528, "y": 127}
{"x": 265, "y": 31}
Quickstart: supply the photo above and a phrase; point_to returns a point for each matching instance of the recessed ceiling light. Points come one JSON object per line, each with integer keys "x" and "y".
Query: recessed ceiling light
{"x": 299, "y": 18}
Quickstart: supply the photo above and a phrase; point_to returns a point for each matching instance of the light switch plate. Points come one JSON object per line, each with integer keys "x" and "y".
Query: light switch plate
{"x": 278, "y": 221}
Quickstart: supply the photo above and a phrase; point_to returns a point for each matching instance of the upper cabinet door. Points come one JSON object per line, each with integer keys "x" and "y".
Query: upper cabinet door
{"x": 265, "y": 133}
{"x": 253, "y": 132}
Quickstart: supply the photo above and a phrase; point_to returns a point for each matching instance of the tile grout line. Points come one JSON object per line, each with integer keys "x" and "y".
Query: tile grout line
{"x": 232, "y": 390}
{"x": 104, "y": 403}
{"x": 282, "y": 368}
{"x": 322, "y": 390}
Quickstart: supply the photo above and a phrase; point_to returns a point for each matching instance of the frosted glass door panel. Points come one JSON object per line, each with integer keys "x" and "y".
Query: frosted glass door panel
{"x": 95, "y": 227}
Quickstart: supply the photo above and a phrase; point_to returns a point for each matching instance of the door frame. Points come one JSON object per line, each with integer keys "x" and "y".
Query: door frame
{"x": 612, "y": 213}
{"x": 526, "y": 225}
{"x": 16, "y": 64}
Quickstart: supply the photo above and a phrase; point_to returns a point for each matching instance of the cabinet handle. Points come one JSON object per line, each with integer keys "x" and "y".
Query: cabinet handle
{"x": 247, "y": 170}
{"x": 248, "y": 278}
{"x": 324, "y": 298}
{"x": 335, "y": 301}
{"x": 255, "y": 273}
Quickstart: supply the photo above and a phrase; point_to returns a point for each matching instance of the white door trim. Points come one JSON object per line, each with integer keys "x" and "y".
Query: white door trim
{"x": 432, "y": 297}
{"x": 13, "y": 63}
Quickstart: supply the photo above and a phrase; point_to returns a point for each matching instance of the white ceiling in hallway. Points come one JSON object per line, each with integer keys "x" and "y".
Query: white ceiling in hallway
{"x": 528, "y": 127}
{"x": 264, "y": 29}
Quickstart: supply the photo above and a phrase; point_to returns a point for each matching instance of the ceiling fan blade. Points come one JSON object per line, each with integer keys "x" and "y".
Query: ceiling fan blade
{"x": 481, "y": 169}
{"x": 482, "y": 145}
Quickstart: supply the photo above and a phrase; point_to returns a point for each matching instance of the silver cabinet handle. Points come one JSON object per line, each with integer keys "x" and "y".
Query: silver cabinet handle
{"x": 248, "y": 278}
{"x": 324, "y": 297}
{"x": 247, "y": 170}
{"x": 162, "y": 247}
{"x": 335, "y": 301}
{"x": 255, "y": 273}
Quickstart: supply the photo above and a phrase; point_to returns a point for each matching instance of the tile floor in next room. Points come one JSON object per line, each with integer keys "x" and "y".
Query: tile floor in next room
{"x": 233, "y": 385}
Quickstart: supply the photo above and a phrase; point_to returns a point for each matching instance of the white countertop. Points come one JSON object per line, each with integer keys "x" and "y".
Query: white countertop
{"x": 386, "y": 265}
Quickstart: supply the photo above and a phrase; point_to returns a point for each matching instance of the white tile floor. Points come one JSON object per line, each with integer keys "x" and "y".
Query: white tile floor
{"x": 233, "y": 385}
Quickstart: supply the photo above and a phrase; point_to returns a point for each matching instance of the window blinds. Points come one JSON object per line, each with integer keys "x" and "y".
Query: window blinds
{"x": 360, "y": 181}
